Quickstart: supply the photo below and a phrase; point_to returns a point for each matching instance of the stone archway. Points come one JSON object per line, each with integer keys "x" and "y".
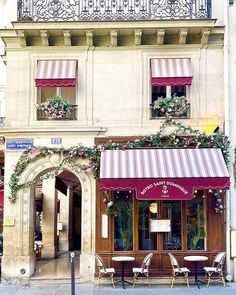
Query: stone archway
{"x": 18, "y": 260}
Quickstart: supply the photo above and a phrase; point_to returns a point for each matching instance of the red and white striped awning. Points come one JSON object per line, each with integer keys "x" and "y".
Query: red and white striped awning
{"x": 171, "y": 71}
{"x": 175, "y": 171}
{"x": 56, "y": 73}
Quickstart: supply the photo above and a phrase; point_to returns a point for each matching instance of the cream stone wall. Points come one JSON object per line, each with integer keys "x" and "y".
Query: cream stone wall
{"x": 114, "y": 92}
{"x": 114, "y": 89}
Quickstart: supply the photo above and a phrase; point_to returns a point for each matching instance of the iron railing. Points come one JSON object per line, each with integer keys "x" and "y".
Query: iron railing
{"x": 157, "y": 114}
{"x": 71, "y": 115}
{"x": 111, "y": 10}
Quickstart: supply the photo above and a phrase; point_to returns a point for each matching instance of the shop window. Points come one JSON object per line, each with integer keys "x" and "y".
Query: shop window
{"x": 147, "y": 210}
{"x": 196, "y": 227}
{"x": 172, "y": 240}
{"x": 123, "y": 221}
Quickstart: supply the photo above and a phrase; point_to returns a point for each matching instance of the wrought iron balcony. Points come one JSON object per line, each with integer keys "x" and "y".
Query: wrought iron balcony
{"x": 44, "y": 116}
{"x": 112, "y": 10}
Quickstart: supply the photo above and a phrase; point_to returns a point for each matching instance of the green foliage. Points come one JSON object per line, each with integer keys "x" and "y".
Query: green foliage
{"x": 55, "y": 107}
{"x": 182, "y": 137}
{"x": 176, "y": 106}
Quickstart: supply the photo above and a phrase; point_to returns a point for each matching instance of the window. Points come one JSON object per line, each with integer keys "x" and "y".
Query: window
{"x": 170, "y": 78}
{"x": 132, "y": 223}
{"x": 123, "y": 221}
{"x": 68, "y": 93}
{"x": 196, "y": 224}
{"x": 146, "y": 210}
{"x": 56, "y": 81}
{"x": 172, "y": 240}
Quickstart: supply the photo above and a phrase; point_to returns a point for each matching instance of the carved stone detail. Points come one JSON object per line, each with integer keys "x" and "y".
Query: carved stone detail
{"x": 89, "y": 37}
{"x": 44, "y": 37}
{"x": 22, "y": 36}
{"x": 160, "y": 36}
{"x": 183, "y": 36}
{"x": 114, "y": 34}
{"x": 67, "y": 37}
{"x": 205, "y": 35}
{"x": 138, "y": 37}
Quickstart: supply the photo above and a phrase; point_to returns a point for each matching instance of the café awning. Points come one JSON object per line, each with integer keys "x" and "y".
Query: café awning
{"x": 163, "y": 173}
{"x": 171, "y": 71}
{"x": 56, "y": 73}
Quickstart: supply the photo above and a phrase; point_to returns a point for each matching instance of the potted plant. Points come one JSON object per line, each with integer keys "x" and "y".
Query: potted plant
{"x": 55, "y": 107}
{"x": 175, "y": 106}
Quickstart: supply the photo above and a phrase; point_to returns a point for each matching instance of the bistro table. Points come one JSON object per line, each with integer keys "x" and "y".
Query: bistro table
{"x": 123, "y": 259}
{"x": 196, "y": 259}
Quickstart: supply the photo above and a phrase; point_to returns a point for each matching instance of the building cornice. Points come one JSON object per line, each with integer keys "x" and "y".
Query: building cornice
{"x": 70, "y": 34}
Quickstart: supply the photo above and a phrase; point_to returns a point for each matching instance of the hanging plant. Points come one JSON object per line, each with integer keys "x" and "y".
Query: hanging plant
{"x": 182, "y": 137}
{"x": 219, "y": 208}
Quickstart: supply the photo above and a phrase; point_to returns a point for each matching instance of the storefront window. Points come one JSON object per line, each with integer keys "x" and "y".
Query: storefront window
{"x": 146, "y": 210}
{"x": 196, "y": 224}
{"x": 123, "y": 221}
{"x": 172, "y": 211}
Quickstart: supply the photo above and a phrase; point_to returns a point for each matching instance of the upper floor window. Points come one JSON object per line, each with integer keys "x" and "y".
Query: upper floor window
{"x": 56, "y": 89}
{"x": 170, "y": 79}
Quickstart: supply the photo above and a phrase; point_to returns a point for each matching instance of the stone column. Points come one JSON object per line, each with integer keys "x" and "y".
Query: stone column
{"x": 49, "y": 221}
{"x": 64, "y": 218}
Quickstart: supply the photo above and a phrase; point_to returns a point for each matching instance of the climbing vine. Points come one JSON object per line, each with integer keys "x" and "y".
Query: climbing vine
{"x": 181, "y": 137}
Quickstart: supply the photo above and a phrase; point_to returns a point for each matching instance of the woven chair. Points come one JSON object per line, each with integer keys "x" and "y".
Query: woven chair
{"x": 214, "y": 273}
{"x": 103, "y": 270}
{"x": 178, "y": 271}
{"x": 144, "y": 269}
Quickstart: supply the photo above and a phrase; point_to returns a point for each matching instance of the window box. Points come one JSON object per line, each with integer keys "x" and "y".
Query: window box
{"x": 174, "y": 107}
{"x": 56, "y": 108}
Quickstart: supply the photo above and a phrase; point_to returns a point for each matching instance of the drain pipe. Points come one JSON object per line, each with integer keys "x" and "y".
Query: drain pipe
{"x": 227, "y": 132}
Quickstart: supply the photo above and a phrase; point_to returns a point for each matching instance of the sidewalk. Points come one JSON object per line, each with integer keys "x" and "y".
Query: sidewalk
{"x": 90, "y": 289}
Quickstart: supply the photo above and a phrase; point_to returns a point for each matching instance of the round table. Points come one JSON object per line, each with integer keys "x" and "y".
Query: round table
{"x": 196, "y": 259}
{"x": 123, "y": 259}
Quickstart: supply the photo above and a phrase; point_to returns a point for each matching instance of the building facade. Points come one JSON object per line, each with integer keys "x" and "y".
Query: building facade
{"x": 115, "y": 64}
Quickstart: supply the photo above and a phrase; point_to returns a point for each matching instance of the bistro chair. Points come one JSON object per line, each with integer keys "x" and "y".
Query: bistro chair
{"x": 177, "y": 271}
{"x": 144, "y": 269}
{"x": 103, "y": 270}
{"x": 214, "y": 273}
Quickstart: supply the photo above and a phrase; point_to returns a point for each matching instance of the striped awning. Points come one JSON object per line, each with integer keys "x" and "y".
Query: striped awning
{"x": 171, "y": 71}
{"x": 163, "y": 173}
{"x": 56, "y": 73}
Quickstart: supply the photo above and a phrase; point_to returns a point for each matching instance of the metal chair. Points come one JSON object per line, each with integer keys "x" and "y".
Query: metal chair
{"x": 103, "y": 270}
{"x": 144, "y": 269}
{"x": 214, "y": 273}
{"x": 177, "y": 271}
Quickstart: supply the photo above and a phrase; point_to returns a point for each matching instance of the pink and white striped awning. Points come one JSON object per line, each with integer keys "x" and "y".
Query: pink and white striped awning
{"x": 163, "y": 173}
{"x": 56, "y": 73}
{"x": 171, "y": 71}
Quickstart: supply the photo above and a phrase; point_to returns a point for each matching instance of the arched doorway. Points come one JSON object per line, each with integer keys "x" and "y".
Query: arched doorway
{"x": 24, "y": 218}
{"x": 69, "y": 211}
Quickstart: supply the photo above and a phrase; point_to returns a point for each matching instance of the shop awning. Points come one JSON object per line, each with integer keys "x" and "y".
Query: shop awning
{"x": 171, "y": 71}
{"x": 56, "y": 73}
{"x": 163, "y": 173}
